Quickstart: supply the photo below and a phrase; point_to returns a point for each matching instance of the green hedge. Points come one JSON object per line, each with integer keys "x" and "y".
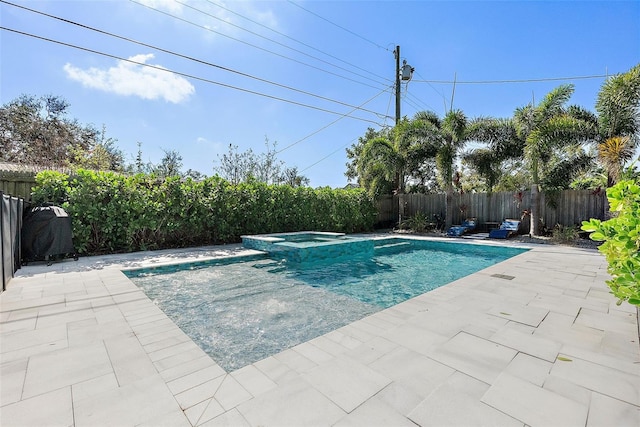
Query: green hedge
{"x": 621, "y": 236}
{"x": 115, "y": 213}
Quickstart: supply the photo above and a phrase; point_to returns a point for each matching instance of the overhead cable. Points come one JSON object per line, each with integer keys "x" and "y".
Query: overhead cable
{"x": 328, "y": 155}
{"x": 482, "y": 82}
{"x": 273, "y": 41}
{"x": 412, "y": 104}
{"x": 187, "y": 57}
{"x": 422, "y": 105}
{"x": 339, "y": 26}
{"x": 388, "y": 108}
{"x": 184, "y": 74}
{"x": 298, "y": 41}
{"x": 334, "y": 122}
{"x": 434, "y": 89}
{"x": 254, "y": 46}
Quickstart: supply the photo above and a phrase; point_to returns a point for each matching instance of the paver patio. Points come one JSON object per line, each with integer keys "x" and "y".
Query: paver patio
{"x": 536, "y": 340}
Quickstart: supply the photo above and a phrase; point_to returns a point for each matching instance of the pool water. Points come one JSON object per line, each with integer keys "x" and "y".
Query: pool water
{"x": 243, "y": 310}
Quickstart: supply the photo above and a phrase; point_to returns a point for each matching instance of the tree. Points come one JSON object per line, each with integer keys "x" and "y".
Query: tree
{"x": 267, "y": 167}
{"x": 386, "y": 161}
{"x": 503, "y": 147}
{"x": 103, "y": 156}
{"x": 237, "y": 167}
{"x": 547, "y": 129}
{"x": 454, "y": 128}
{"x": 291, "y": 177}
{"x": 36, "y": 131}
{"x": 618, "y": 107}
{"x": 370, "y": 176}
{"x": 170, "y": 165}
{"x": 195, "y": 175}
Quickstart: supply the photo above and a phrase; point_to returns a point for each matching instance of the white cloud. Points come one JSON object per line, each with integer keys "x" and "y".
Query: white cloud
{"x": 168, "y": 5}
{"x": 130, "y": 79}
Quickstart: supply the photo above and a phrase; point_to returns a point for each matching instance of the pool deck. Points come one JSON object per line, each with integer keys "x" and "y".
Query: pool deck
{"x": 536, "y": 340}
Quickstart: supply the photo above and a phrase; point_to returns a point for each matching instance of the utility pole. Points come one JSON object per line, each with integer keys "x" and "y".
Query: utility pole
{"x": 402, "y": 74}
{"x": 396, "y": 52}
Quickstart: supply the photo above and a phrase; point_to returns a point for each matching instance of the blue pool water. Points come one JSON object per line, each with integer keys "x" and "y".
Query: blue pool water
{"x": 248, "y": 308}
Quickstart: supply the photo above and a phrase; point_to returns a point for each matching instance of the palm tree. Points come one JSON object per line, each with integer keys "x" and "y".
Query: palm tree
{"x": 502, "y": 143}
{"x": 379, "y": 164}
{"x": 453, "y": 134}
{"x": 545, "y": 128}
{"x": 618, "y": 107}
{"x": 385, "y": 161}
{"x": 613, "y": 153}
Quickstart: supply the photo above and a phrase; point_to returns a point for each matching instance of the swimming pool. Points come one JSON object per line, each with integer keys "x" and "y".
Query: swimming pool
{"x": 244, "y": 309}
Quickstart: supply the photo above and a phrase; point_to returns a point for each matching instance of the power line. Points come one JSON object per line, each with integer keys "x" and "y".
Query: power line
{"x": 332, "y": 123}
{"x": 327, "y": 156}
{"x": 477, "y": 82}
{"x": 389, "y": 107}
{"x": 422, "y": 105}
{"x": 273, "y": 41}
{"x": 412, "y": 104}
{"x": 339, "y": 26}
{"x": 187, "y": 57}
{"x": 434, "y": 89}
{"x": 254, "y": 46}
{"x": 184, "y": 74}
{"x": 297, "y": 41}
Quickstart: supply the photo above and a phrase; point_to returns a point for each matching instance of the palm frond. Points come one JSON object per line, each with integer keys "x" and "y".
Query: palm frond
{"x": 455, "y": 125}
{"x": 428, "y": 116}
{"x": 613, "y": 153}
{"x": 553, "y": 103}
{"x": 486, "y": 163}
{"x": 618, "y": 104}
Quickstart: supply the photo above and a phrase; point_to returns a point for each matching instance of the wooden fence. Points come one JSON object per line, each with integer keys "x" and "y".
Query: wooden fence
{"x": 573, "y": 207}
{"x": 17, "y": 183}
{"x": 10, "y": 244}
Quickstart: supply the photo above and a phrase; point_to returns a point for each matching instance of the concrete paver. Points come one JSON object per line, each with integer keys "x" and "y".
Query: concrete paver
{"x": 347, "y": 383}
{"x": 448, "y": 406}
{"x": 54, "y": 408}
{"x": 605, "y": 411}
{"x": 533, "y": 405}
{"x": 80, "y": 344}
{"x": 476, "y": 357}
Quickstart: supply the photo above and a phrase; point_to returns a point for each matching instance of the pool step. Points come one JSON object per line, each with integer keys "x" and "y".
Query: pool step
{"x": 392, "y": 245}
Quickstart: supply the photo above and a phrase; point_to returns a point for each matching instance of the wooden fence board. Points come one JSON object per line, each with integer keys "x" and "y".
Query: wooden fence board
{"x": 573, "y": 207}
{"x": 17, "y": 183}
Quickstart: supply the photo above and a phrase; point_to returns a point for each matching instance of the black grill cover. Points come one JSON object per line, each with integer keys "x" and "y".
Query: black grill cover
{"x": 46, "y": 232}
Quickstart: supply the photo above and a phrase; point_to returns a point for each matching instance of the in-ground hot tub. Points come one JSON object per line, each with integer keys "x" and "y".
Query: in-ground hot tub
{"x": 309, "y": 245}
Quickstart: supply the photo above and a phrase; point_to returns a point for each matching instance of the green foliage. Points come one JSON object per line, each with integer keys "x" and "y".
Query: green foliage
{"x": 116, "y": 213}
{"x": 621, "y": 236}
{"x": 418, "y": 223}
{"x": 394, "y": 160}
{"x": 36, "y": 131}
{"x": 564, "y": 234}
{"x": 238, "y": 167}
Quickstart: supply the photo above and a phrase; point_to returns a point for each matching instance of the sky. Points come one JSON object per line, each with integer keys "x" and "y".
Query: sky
{"x": 309, "y": 77}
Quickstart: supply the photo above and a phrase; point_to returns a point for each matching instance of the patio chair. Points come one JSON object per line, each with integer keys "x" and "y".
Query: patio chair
{"x": 508, "y": 228}
{"x": 467, "y": 225}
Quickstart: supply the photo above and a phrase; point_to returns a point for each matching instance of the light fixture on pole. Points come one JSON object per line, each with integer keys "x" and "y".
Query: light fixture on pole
{"x": 402, "y": 74}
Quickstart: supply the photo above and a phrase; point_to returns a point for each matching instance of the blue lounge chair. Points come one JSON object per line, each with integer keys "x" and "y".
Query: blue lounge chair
{"x": 459, "y": 230}
{"x": 508, "y": 228}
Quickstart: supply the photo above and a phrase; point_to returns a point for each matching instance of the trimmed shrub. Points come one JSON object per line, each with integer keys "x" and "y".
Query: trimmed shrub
{"x": 621, "y": 236}
{"x": 116, "y": 213}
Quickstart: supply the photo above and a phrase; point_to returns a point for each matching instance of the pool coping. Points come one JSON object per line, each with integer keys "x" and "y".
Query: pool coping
{"x": 395, "y": 365}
